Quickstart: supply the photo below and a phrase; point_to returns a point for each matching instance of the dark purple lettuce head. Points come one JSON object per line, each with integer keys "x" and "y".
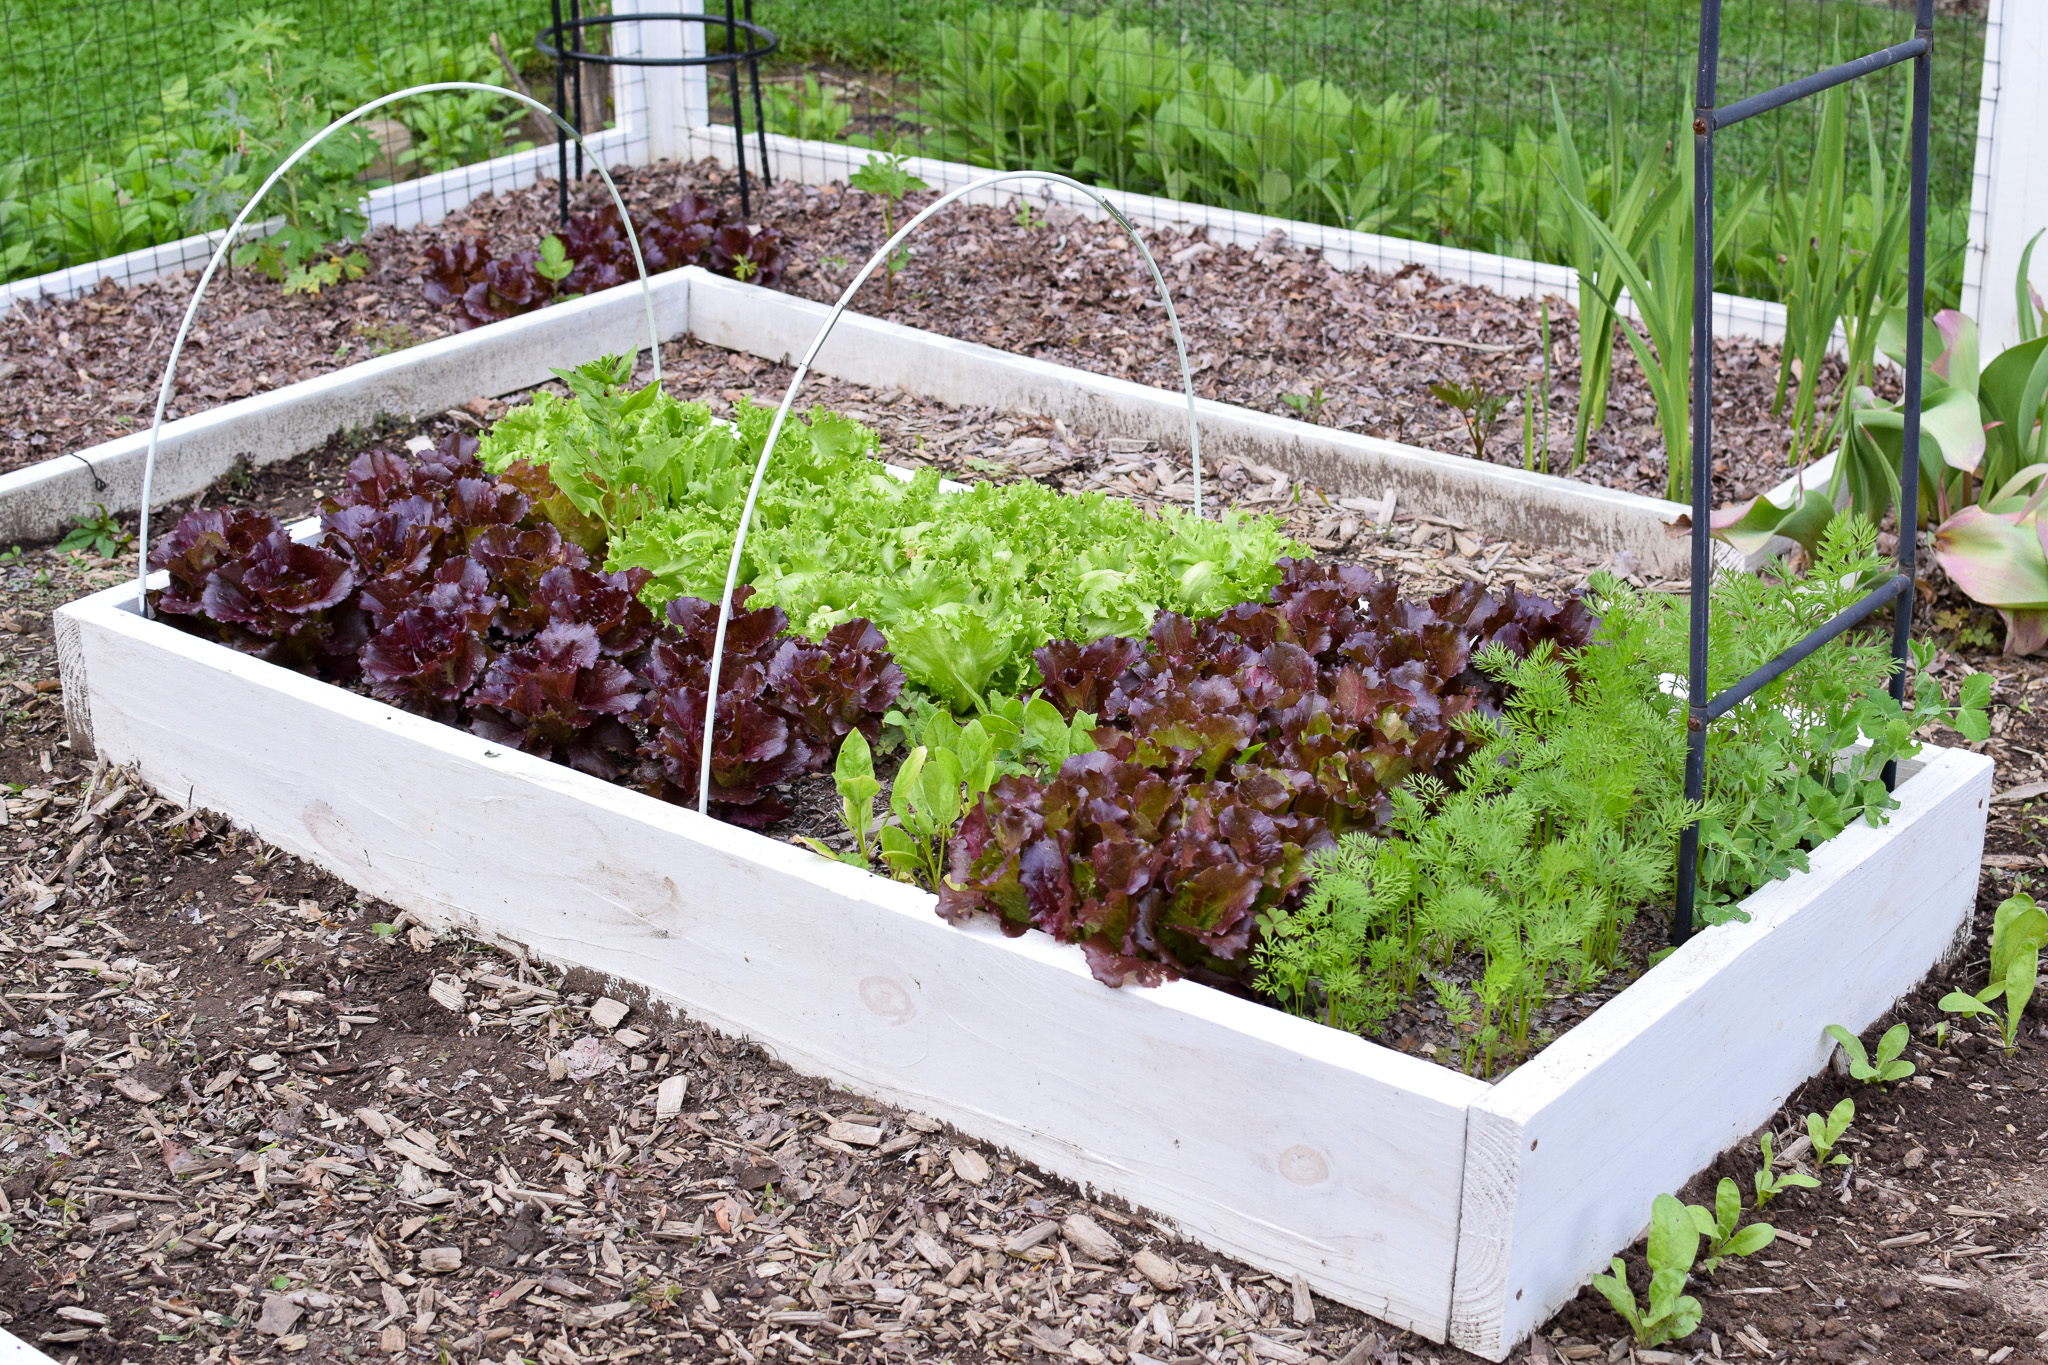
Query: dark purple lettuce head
{"x": 755, "y": 749}
{"x": 744, "y": 254}
{"x": 517, "y": 560}
{"x": 844, "y": 683}
{"x": 288, "y": 603}
{"x": 198, "y": 545}
{"x": 430, "y": 648}
{"x": 398, "y": 542}
{"x": 609, "y": 603}
{"x": 559, "y": 697}
{"x": 451, "y": 268}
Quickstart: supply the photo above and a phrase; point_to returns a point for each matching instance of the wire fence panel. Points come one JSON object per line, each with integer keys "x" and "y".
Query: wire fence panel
{"x": 132, "y": 123}
{"x": 1450, "y": 121}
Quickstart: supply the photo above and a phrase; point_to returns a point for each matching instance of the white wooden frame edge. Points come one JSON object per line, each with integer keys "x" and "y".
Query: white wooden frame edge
{"x": 1459, "y": 1235}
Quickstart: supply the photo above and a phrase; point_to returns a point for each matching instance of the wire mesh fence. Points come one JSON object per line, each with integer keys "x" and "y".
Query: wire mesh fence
{"x": 1471, "y": 123}
{"x": 131, "y": 123}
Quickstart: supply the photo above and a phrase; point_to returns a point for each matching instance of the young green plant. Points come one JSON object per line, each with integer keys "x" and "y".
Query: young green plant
{"x": 854, "y": 775}
{"x": 1721, "y": 1226}
{"x": 1824, "y": 1131}
{"x": 1770, "y": 1184}
{"x": 1670, "y": 1314}
{"x": 1887, "y": 1067}
{"x": 2018, "y": 930}
{"x": 884, "y": 175}
{"x": 1476, "y": 408}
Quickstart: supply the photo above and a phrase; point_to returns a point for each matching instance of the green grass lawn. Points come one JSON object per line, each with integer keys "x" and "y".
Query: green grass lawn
{"x": 82, "y": 78}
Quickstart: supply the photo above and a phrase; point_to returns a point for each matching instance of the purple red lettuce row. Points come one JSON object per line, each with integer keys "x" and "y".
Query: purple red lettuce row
{"x": 784, "y": 703}
{"x": 445, "y": 591}
{"x": 1230, "y": 749}
{"x": 474, "y": 287}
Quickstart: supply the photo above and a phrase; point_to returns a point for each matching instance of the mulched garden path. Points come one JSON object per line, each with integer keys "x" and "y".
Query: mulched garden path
{"x": 1261, "y": 325}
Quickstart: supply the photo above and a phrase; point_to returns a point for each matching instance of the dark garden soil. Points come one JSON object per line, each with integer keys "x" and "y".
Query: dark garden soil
{"x": 1261, "y": 325}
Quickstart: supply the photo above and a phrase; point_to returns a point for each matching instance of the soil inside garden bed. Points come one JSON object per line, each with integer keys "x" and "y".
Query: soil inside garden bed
{"x": 1357, "y": 350}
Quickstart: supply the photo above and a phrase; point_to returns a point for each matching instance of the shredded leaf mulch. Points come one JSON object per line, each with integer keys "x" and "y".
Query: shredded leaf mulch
{"x": 1357, "y": 350}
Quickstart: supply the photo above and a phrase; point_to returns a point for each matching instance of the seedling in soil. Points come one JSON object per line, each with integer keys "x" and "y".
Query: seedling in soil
{"x": 1670, "y": 1314}
{"x": 1476, "y": 407}
{"x": 884, "y": 175}
{"x": 854, "y": 775}
{"x": 1307, "y": 405}
{"x": 1721, "y": 1227}
{"x": 1824, "y": 1133}
{"x": 1027, "y": 219}
{"x": 100, "y": 533}
{"x": 1769, "y": 1184}
{"x": 2018, "y": 930}
{"x": 1887, "y": 1068}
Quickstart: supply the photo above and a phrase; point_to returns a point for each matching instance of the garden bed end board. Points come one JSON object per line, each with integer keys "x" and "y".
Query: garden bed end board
{"x": 1458, "y": 1209}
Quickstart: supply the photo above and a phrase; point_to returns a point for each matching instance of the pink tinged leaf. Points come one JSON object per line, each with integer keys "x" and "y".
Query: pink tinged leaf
{"x": 1992, "y": 560}
{"x": 2025, "y": 631}
{"x": 1954, "y": 422}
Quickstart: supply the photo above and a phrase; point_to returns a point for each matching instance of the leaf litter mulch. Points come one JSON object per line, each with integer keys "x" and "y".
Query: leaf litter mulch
{"x": 1273, "y": 328}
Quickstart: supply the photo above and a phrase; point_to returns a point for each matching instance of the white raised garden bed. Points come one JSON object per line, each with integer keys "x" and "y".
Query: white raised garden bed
{"x": 1461, "y": 1210}
{"x": 41, "y": 501}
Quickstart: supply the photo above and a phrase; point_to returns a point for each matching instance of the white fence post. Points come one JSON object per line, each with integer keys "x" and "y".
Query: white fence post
{"x": 2009, "y": 191}
{"x": 661, "y": 94}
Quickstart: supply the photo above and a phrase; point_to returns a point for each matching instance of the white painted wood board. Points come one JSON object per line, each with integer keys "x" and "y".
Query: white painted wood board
{"x": 1566, "y": 1153}
{"x": 1298, "y": 1148}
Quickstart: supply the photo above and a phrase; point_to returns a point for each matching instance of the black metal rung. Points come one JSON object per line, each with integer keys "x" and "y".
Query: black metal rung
{"x": 1819, "y": 81}
{"x": 1763, "y": 677}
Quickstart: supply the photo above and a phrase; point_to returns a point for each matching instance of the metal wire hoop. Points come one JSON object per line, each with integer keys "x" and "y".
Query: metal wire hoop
{"x": 163, "y": 395}
{"x": 782, "y": 413}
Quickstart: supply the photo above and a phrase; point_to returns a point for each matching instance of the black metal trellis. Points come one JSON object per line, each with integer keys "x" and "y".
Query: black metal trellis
{"x": 1702, "y": 709}
{"x": 563, "y": 41}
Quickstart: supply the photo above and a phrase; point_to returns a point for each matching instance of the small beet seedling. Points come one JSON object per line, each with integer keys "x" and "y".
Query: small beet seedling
{"x": 1770, "y": 1184}
{"x": 1887, "y": 1067}
{"x": 2018, "y": 931}
{"x": 1721, "y": 1226}
{"x": 1670, "y": 1313}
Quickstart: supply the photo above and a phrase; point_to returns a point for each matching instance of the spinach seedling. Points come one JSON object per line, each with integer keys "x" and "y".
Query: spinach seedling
{"x": 1769, "y": 1184}
{"x": 1721, "y": 1227}
{"x": 1308, "y": 405}
{"x": 1476, "y": 408}
{"x": 884, "y": 175}
{"x": 2018, "y": 930}
{"x": 1669, "y": 1314}
{"x": 1824, "y": 1133}
{"x": 854, "y": 776}
{"x": 1887, "y": 1067}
